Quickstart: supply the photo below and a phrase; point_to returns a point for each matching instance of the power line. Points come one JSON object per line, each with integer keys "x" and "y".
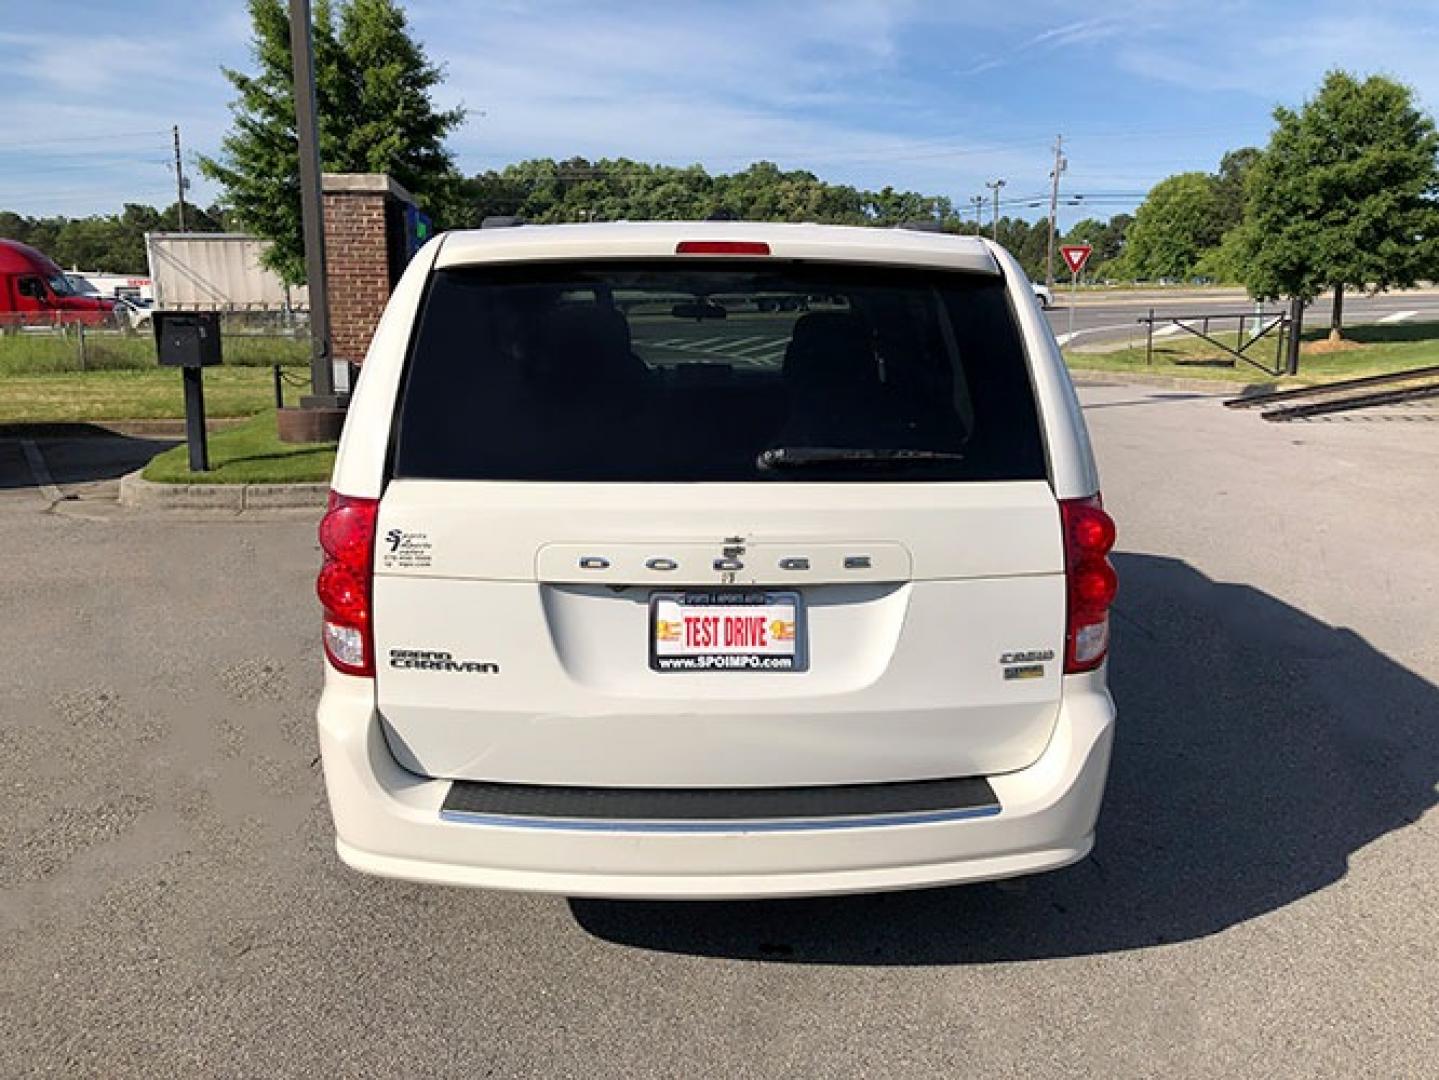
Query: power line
{"x": 22, "y": 169}
{"x": 80, "y": 138}
{"x": 897, "y": 151}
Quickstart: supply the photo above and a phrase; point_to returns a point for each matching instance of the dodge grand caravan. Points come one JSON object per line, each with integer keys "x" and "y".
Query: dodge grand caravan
{"x": 714, "y": 560}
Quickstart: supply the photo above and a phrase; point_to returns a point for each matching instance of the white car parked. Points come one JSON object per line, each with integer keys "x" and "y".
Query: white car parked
{"x": 634, "y": 589}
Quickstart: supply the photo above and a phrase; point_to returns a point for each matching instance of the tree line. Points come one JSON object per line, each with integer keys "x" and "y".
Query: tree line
{"x": 114, "y": 243}
{"x": 545, "y": 191}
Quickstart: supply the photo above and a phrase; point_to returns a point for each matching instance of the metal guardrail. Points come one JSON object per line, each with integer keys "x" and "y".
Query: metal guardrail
{"x": 1266, "y": 322}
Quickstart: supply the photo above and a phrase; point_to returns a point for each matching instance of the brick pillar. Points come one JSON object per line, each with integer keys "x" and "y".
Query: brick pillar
{"x": 362, "y": 213}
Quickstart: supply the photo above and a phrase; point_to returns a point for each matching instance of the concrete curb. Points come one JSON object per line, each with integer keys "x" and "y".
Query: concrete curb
{"x": 1218, "y": 387}
{"x": 137, "y": 493}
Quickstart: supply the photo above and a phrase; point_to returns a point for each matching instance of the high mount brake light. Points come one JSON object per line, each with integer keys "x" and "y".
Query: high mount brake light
{"x": 1091, "y": 582}
{"x": 347, "y": 537}
{"x": 721, "y": 247}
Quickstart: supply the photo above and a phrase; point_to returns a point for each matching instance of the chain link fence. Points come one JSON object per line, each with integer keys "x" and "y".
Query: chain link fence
{"x": 37, "y": 343}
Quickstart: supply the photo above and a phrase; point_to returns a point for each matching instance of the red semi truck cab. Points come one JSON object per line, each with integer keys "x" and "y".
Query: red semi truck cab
{"x": 35, "y": 292}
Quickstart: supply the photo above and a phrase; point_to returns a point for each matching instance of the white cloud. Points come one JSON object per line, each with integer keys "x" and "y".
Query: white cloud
{"x": 794, "y": 83}
{"x": 1202, "y": 54}
{"x": 926, "y": 94}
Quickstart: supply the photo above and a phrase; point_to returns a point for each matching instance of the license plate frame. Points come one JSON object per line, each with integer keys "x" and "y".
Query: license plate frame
{"x": 722, "y": 660}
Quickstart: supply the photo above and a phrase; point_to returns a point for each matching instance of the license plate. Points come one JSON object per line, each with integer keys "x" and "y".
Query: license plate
{"x": 727, "y": 630}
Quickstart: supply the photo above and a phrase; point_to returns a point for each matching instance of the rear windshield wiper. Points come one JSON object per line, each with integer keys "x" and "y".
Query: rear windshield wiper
{"x": 797, "y": 457}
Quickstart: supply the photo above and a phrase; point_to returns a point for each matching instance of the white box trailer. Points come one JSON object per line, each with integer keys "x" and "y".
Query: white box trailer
{"x": 217, "y": 272}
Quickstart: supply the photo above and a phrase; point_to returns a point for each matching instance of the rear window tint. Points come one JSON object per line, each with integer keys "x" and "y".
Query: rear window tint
{"x": 678, "y": 371}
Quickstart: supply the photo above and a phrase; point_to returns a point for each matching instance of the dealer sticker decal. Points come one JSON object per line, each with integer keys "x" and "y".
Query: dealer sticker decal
{"x": 402, "y": 550}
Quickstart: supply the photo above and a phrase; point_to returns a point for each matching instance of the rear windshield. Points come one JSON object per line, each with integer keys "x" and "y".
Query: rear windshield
{"x": 681, "y": 372}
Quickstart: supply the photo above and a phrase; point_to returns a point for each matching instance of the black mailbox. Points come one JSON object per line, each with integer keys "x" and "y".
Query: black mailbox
{"x": 188, "y": 339}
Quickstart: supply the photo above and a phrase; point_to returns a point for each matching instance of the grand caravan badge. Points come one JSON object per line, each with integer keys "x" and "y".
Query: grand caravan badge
{"x": 430, "y": 660}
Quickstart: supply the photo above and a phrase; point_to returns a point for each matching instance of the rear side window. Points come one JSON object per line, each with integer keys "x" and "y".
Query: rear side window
{"x": 678, "y": 371}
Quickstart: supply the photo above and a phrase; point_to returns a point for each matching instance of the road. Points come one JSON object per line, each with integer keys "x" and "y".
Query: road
{"x": 758, "y": 340}
{"x": 1262, "y": 901}
{"x": 1114, "y": 320}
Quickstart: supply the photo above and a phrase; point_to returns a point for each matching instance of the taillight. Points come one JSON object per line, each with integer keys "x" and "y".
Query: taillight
{"x": 347, "y": 537}
{"x": 1091, "y": 581}
{"x": 721, "y": 247}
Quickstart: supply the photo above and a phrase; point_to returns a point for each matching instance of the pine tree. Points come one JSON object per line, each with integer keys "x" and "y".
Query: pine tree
{"x": 372, "y": 88}
{"x": 391, "y": 125}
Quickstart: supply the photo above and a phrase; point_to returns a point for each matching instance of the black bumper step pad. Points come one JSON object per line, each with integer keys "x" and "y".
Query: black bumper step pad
{"x": 971, "y": 793}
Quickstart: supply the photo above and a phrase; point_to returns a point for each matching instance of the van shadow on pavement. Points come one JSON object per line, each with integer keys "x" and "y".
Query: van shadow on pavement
{"x": 72, "y": 453}
{"x": 1257, "y": 749}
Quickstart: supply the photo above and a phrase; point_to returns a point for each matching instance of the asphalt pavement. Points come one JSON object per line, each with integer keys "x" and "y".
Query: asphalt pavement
{"x": 1262, "y": 901}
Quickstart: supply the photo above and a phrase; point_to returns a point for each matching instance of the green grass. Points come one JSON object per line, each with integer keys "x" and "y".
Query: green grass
{"x": 250, "y": 453}
{"x": 152, "y": 394}
{"x": 49, "y": 353}
{"x": 1385, "y": 349}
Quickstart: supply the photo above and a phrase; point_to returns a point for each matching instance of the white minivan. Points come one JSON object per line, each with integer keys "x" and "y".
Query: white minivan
{"x": 706, "y": 560}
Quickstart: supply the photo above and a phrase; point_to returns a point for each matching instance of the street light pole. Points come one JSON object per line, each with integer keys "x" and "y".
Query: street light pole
{"x": 322, "y": 374}
{"x": 978, "y": 201}
{"x": 994, "y": 186}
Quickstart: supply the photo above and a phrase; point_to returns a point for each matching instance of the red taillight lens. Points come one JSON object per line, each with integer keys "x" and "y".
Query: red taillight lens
{"x": 1092, "y": 583}
{"x": 721, "y": 247}
{"x": 347, "y": 536}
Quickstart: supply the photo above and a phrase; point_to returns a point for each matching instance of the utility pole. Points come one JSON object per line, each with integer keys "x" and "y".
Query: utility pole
{"x": 322, "y": 374}
{"x": 179, "y": 177}
{"x": 994, "y": 186}
{"x": 1059, "y": 166}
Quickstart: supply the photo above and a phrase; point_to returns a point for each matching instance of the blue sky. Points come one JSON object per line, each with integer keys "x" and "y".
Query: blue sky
{"x": 933, "y": 96}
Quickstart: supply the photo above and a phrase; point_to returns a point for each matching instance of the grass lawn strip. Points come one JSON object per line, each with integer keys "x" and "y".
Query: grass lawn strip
{"x": 154, "y": 394}
{"x": 1385, "y": 349}
{"x": 251, "y": 453}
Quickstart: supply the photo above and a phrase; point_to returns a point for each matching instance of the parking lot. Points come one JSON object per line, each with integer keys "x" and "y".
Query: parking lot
{"x": 1264, "y": 900}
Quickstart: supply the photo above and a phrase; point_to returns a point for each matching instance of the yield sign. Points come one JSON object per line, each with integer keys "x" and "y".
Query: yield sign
{"x": 1075, "y": 256}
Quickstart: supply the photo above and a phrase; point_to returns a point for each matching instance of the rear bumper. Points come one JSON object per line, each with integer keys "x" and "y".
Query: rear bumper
{"x": 388, "y": 822}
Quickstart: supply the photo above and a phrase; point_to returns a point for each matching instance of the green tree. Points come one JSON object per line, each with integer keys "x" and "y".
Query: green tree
{"x": 259, "y": 163}
{"x": 1346, "y": 194}
{"x": 1105, "y": 237}
{"x": 1028, "y": 242}
{"x": 372, "y": 86}
{"x": 1173, "y": 226}
{"x": 387, "y": 121}
{"x": 1229, "y": 185}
